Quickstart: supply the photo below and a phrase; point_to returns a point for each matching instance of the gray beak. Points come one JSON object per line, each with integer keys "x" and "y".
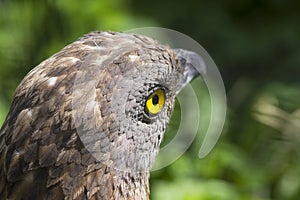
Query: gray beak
{"x": 192, "y": 64}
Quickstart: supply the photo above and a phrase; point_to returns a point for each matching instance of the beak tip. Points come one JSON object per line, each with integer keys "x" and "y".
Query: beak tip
{"x": 192, "y": 66}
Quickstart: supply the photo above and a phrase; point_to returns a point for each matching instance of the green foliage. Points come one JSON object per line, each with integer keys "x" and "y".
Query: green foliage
{"x": 254, "y": 43}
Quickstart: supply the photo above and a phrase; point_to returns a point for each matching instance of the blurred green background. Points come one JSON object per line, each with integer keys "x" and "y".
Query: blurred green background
{"x": 255, "y": 44}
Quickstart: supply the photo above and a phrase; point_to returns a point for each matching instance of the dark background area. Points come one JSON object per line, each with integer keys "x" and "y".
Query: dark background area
{"x": 255, "y": 44}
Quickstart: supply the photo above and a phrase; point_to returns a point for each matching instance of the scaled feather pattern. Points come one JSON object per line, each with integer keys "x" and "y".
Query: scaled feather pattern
{"x": 78, "y": 127}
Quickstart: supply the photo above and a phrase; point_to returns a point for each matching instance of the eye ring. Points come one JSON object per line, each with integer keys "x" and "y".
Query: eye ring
{"x": 155, "y": 101}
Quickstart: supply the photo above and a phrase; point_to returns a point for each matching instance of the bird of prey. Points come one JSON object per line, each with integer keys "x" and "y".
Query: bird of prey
{"x": 87, "y": 122}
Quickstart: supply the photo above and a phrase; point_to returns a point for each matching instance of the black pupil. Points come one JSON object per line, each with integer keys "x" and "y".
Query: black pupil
{"x": 155, "y": 99}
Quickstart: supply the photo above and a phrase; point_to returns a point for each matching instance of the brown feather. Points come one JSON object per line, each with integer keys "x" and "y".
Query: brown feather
{"x": 41, "y": 153}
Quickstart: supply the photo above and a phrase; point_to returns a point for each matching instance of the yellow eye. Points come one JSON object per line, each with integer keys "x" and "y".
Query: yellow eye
{"x": 155, "y": 101}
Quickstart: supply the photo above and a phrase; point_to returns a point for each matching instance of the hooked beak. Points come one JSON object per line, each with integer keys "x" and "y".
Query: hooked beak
{"x": 192, "y": 66}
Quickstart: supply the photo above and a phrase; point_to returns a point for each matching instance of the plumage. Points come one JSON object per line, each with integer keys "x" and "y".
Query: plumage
{"x": 78, "y": 127}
